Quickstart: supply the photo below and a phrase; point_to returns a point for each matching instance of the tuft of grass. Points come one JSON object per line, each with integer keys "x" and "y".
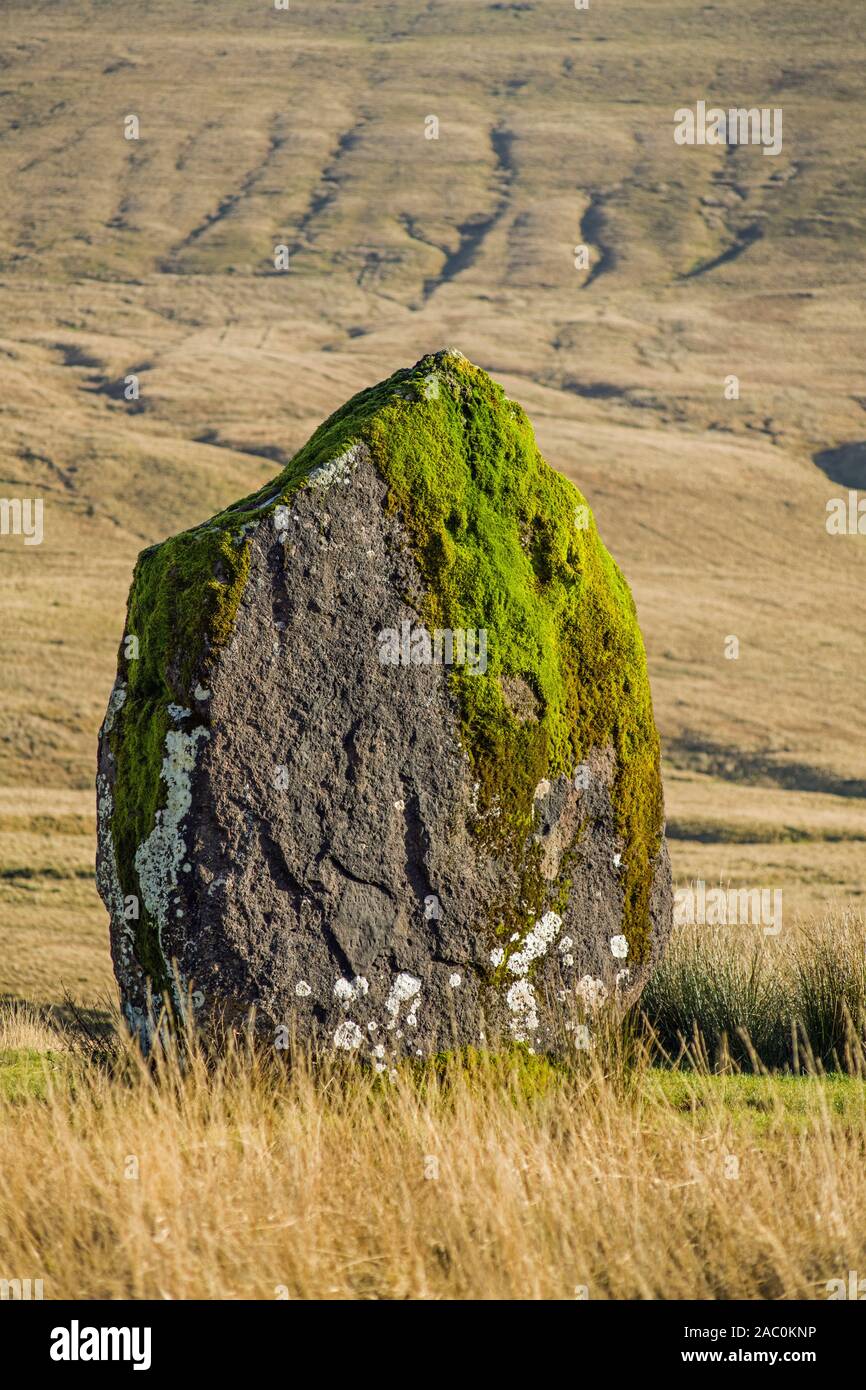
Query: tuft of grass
{"x": 732, "y": 995}
{"x": 25, "y": 1028}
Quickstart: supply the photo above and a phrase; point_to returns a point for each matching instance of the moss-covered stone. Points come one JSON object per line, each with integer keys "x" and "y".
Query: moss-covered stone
{"x": 501, "y": 543}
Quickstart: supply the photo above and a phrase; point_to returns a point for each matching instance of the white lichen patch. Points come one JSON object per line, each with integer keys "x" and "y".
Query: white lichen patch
{"x": 159, "y": 857}
{"x": 536, "y": 943}
{"x": 619, "y": 947}
{"x": 497, "y": 956}
{"x": 338, "y": 470}
{"x": 107, "y": 876}
{"x": 347, "y": 991}
{"x": 177, "y": 713}
{"x": 455, "y": 980}
{"x": 582, "y": 777}
{"x": 303, "y": 990}
{"x": 593, "y": 992}
{"x": 404, "y": 988}
{"x": 348, "y": 1036}
{"x": 115, "y": 703}
{"x": 200, "y": 693}
{"x": 524, "y": 1010}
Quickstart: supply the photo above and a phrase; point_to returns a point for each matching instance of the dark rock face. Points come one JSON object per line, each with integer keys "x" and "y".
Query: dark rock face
{"x": 319, "y": 847}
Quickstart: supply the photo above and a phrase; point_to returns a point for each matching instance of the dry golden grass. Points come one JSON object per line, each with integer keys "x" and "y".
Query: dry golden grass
{"x": 497, "y": 1180}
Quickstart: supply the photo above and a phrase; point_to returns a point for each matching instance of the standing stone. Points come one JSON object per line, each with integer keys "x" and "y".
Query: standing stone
{"x": 380, "y": 760}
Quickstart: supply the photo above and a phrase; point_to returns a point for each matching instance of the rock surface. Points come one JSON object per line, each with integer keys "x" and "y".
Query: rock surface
{"x": 380, "y": 757}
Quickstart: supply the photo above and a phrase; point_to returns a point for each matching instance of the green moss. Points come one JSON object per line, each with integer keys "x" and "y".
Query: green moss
{"x": 511, "y": 1069}
{"x": 495, "y": 536}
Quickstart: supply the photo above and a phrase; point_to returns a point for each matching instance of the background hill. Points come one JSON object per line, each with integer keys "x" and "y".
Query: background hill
{"x": 307, "y": 128}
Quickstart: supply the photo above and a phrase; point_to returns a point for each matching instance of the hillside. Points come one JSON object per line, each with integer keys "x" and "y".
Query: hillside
{"x": 307, "y": 129}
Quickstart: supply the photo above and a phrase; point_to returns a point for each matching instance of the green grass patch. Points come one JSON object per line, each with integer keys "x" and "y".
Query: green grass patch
{"x": 26, "y": 1074}
{"x": 759, "y": 1103}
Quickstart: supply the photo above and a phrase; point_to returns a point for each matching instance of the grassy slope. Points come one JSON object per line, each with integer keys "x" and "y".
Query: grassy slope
{"x": 156, "y": 257}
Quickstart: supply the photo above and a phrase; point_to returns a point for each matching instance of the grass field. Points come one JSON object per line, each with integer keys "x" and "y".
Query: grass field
{"x": 496, "y": 1177}
{"x": 665, "y": 1162}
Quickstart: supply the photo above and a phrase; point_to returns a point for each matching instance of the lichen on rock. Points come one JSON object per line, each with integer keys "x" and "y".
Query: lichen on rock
{"x": 285, "y": 805}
